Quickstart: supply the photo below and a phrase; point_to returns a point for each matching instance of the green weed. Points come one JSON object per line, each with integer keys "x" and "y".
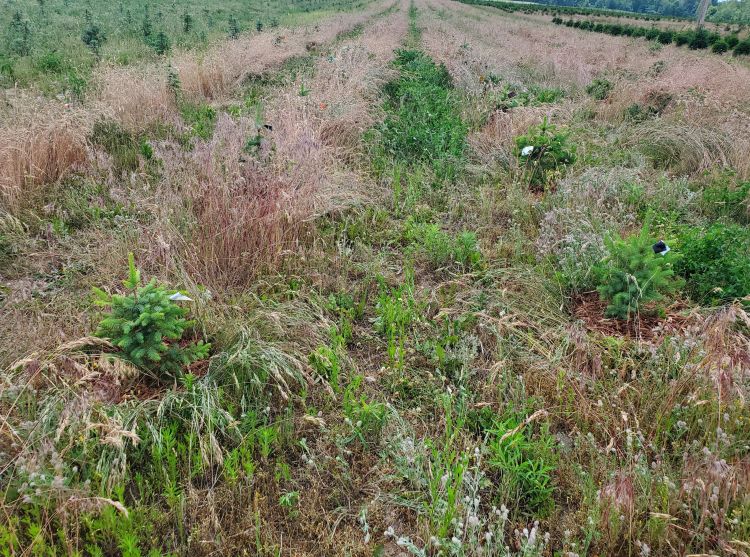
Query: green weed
{"x": 422, "y": 93}
{"x": 364, "y": 418}
{"x": 396, "y": 310}
{"x": 715, "y": 262}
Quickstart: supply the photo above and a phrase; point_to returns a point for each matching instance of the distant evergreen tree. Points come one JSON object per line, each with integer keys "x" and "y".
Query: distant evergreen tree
{"x": 19, "y": 35}
{"x": 161, "y": 43}
{"x": 234, "y": 27}
{"x": 93, "y": 36}
{"x": 742, "y": 48}
{"x": 187, "y": 22}
{"x": 146, "y": 27}
{"x": 173, "y": 81}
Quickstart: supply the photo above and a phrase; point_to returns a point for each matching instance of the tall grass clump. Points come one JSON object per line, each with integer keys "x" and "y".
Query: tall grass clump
{"x": 37, "y": 153}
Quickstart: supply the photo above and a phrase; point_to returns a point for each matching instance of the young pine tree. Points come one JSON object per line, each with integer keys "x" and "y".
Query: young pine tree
{"x": 19, "y": 35}
{"x": 146, "y": 27}
{"x": 92, "y": 36}
{"x": 633, "y": 275}
{"x": 234, "y": 27}
{"x": 147, "y": 324}
{"x": 161, "y": 43}
{"x": 187, "y": 22}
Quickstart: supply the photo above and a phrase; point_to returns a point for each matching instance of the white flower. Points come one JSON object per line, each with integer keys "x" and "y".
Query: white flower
{"x": 389, "y": 533}
{"x": 526, "y": 151}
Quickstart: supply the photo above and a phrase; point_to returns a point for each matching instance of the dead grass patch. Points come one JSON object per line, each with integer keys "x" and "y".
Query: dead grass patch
{"x": 36, "y": 153}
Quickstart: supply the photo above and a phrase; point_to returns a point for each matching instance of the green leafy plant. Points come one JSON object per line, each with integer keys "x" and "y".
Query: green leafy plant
{"x": 396, "y": 310}
{"x": 364, "y": 418}
{"x": 716, "y": 262}
{"x": 50, "y": 62}
{"x": 600, "y": 88}
{"x": 544, "y": 151}
{"x": 727, "y": 199}
{"x": 524, "y": 461}
{"x": 439, "y": 247}
{"x": 200, "y": 117}
{"x": 633, "y": 275}
{"x": 422, "y": 93}
{"x": 326, "y": 363}
{"x": 145, "y": 323}
{"x": 289, "y": 499}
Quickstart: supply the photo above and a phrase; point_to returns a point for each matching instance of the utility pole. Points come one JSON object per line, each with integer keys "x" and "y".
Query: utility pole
{"x": 702, "y": 9}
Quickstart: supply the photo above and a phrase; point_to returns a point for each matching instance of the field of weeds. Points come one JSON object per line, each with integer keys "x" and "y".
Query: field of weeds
{"x": 389, "y": 278}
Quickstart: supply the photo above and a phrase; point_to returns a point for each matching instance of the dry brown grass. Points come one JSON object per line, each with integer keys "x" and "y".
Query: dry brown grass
{"x": 43, "y": 141}
{"x": 245, "y": 215}
{"x": 704, "y": 122}
{"x": 214, "y": 75}
{"x": 248, "y": 211}
{"x": 136, "y": 98}
{"x": 35, "y": 152}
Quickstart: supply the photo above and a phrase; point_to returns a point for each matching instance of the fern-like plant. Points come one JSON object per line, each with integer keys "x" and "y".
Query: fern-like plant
{"x": 633, "y": 275}
{"x": 145, "y": 324}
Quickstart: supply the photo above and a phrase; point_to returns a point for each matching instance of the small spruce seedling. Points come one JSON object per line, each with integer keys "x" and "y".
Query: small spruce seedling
{"x": 633, "y": 275}
{"x": 146, "y": 324}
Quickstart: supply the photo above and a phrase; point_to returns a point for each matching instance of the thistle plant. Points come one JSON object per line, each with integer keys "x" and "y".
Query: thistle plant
{"x": 145, "y": 323}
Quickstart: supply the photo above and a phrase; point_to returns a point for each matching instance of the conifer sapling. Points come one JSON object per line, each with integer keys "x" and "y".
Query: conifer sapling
{"x": 146, "y": 325}
{"x": 633, "y": 275}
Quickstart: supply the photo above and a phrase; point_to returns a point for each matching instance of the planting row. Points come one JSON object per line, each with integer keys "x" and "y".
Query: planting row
{"x": 553, "y": 8}
{"x": 694, "y": 39}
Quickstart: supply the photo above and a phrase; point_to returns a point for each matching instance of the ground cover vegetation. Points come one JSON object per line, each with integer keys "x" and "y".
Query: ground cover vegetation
{"x": 423, "y": 278}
